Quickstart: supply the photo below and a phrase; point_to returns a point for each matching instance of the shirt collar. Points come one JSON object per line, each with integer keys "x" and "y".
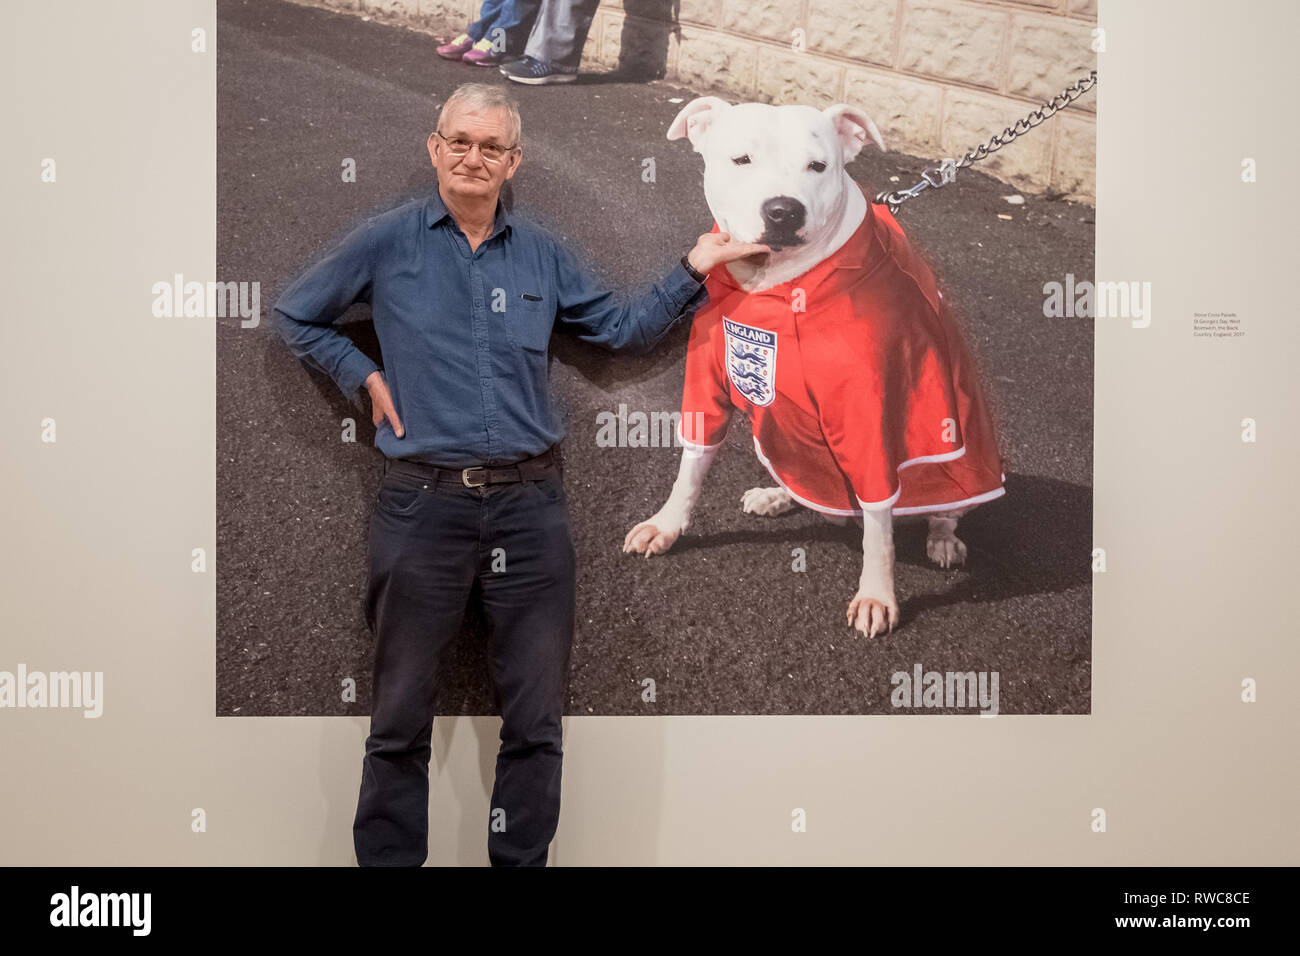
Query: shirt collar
{"x": 435, "y": 210}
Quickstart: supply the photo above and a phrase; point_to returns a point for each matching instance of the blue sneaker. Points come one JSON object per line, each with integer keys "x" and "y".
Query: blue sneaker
{"x": 530, "y": 70}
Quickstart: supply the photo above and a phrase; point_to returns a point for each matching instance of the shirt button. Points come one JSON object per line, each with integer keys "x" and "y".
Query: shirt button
{"x": 478, "y": 303}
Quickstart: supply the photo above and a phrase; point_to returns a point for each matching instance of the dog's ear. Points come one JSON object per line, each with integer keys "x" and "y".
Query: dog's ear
{"x": 695, "y": 118}
{"x": 854, "y": 128}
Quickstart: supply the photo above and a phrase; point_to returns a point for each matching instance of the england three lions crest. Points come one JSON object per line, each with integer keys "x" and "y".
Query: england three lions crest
{"x": 751, "y": 361}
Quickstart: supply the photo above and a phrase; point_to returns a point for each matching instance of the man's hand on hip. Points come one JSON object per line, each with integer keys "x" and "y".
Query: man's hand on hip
{"x": 381, "y": 403}
{"x": 715, "y": 248}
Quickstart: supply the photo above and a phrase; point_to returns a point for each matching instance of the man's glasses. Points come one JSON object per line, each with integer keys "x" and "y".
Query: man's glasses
{"x": 491, "y": 152}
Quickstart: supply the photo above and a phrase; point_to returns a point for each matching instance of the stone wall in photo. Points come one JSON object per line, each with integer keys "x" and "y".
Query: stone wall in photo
{"x": 937, "y": 76}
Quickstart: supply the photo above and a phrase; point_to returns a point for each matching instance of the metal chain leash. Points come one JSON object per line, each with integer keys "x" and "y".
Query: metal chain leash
{"x": 936, "y": 177}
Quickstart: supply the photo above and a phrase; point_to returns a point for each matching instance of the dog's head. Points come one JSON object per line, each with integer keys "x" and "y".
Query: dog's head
{"x": 775, "y": 174}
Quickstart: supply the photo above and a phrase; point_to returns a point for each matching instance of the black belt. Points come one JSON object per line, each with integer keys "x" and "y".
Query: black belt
{"x": 477, "y": 475}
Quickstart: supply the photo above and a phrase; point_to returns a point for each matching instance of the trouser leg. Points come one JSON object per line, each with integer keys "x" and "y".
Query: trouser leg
{"x": 423, "y": 547}
{"x": 515, "y": 20}
{"x": 488, "y": 16}
{"x": 561, "y": 31}
{"x": 529, "y": 608}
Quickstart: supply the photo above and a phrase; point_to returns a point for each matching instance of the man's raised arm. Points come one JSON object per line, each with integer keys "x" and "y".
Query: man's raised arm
{"x": 601, "y": 316}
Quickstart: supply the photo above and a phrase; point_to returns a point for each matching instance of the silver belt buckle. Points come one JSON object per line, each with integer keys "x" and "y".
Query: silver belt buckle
{"x": 464, "y": 477}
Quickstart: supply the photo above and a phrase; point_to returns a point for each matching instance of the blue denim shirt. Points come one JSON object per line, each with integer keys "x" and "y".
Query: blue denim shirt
{"x": 465, "y": 335}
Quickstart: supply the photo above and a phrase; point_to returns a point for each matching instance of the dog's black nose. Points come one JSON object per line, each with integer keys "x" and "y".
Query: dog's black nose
{"x": 783, "y": 214}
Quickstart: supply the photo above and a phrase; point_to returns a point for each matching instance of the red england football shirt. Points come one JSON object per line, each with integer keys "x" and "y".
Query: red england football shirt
{"x": 858, "y": 385}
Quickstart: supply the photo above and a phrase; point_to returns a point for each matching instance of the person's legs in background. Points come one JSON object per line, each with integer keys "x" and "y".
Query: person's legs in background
{"x": 499, "y": 34}
{"x": 463, "y": 43}
{"x": 555, "y": 45}
{"x": 510, "y": 31}
{"x": 487, "y": 16}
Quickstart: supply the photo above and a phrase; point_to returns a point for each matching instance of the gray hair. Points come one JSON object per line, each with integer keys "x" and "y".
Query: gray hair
{"x": 484, "y": 96}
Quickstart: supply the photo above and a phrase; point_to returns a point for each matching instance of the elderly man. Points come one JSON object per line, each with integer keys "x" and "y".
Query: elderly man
{"x": 471, "y": 505}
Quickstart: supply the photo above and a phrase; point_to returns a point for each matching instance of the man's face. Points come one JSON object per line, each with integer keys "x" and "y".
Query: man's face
{"x": 471, "y": 176}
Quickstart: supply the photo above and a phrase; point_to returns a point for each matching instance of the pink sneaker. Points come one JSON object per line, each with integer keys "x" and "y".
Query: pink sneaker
{"x": 482, "y": 54}
{"x": 456, "y": 49}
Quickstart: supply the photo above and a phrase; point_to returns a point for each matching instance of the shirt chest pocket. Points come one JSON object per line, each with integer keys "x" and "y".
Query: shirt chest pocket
{"x": 529, "y": 317}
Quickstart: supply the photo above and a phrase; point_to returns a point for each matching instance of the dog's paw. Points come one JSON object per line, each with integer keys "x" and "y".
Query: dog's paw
{"x": 872, "y": 615}
{"x": 945, "y": 549}
{"x": 766, "y": 501}
{"x": 653, "y": 536}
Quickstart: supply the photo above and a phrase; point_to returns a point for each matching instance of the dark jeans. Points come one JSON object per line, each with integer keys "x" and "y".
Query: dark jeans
{"x": 430, "y": 544}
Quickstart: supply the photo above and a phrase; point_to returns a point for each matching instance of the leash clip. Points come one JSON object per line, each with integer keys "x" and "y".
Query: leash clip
{"x": 941, "y": 175}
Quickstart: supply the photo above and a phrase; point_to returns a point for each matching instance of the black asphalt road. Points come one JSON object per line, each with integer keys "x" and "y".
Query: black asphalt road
{"x": 721, "y": 624}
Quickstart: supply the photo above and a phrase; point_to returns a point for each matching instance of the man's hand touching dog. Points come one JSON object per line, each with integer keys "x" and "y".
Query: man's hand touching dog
{"x": 715, "y": 248}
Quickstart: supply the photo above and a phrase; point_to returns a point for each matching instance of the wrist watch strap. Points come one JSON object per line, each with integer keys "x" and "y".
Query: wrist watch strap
{"x": 692, "y": 271}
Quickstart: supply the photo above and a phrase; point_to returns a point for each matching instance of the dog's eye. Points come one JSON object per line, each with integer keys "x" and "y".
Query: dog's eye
{"x": 741, "y": 160}
{"x": 817, "y": 166}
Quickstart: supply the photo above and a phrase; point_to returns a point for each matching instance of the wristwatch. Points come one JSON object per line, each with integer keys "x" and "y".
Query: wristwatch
{"x": 692, "y": 271}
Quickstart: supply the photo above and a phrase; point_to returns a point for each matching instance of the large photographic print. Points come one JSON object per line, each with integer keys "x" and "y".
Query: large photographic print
{"x": 855, "y": 479}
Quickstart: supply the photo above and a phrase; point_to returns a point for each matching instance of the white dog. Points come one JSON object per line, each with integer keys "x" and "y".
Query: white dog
{"x": 837, "y": 345}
